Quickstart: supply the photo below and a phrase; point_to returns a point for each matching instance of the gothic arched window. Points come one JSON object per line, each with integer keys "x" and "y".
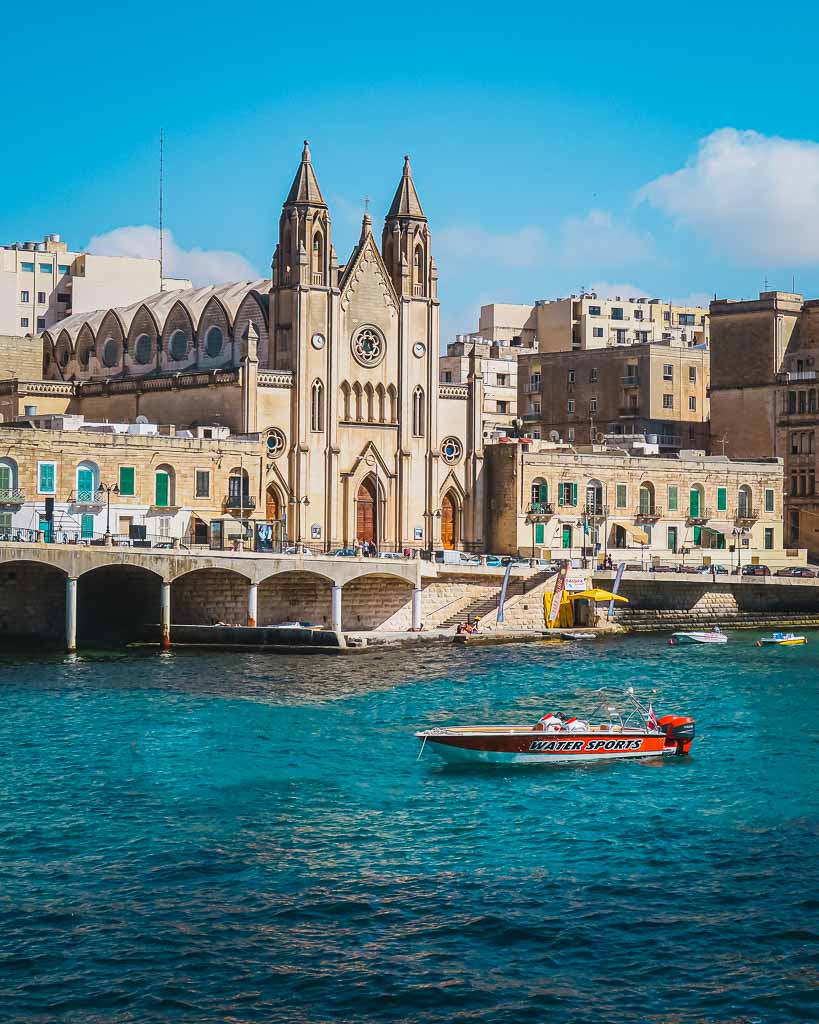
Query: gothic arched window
{"x": 418, "y": 412}
{"x": 318, "y": 258}
{"x": 317, "y": 406}
{"x": 418, "y": 271}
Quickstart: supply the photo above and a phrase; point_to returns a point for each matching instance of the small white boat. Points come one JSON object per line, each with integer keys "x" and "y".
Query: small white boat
{"x": 711, "y": 637}
{"x": 782, "y": 640}
{"x": 578, "y": 636}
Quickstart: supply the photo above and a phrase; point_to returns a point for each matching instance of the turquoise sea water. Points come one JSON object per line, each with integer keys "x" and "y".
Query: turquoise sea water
{"x": 249, "y": 838}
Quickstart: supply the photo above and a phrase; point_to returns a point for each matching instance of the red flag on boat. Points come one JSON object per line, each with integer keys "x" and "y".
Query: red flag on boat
{"x": 651, "y": 721}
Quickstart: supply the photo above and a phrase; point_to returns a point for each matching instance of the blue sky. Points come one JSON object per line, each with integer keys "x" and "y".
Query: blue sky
{"x": 666, "y": 150}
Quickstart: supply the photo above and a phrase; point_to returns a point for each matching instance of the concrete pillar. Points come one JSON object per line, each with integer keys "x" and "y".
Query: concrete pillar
{"x": 71, "y": 614}
{"x": 416, "y": 608}
{"x": 165, "y": 615}
{"x": 336, "y": 607}
{"x": 252, "y": 604}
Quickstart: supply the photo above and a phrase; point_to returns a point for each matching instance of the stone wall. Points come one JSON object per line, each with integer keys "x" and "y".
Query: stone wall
{"x": 373, "y": 603}
{"x": 207, "y": 596}
{"x": 21, "y": 357}
{"x": 295, "y": 597}
{"x": 32, "y": 603}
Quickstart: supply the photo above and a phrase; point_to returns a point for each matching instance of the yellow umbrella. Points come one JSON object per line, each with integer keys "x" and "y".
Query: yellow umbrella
{"x": 596, "y": 594}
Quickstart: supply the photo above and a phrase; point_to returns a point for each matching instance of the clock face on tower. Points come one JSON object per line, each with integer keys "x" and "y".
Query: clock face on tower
{"x": 317, "y": 340}
{"x": 419, "y": 348}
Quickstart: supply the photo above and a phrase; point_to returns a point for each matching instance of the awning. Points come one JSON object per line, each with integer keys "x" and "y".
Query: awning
{"x": 639, "y": 535}
{"x": 712, "y": 531}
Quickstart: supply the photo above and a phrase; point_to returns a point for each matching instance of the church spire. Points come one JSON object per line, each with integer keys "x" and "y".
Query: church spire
{"x": 305, "y": 188}
{"x": 406, "y": 202}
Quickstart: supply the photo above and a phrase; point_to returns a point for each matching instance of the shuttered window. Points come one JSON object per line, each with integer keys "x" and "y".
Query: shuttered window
{"x": 127, "y": 481}
{"x": 46, "y": 478}
{"x": 722, "y": 499}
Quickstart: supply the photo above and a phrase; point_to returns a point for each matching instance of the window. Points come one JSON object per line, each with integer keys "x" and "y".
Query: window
{"x": 571, "y": 377}
{"x": 621, "y": 496}
{"x": 502, "y": 407}
{"x": 668, "y": 401}
{"x": 667, "y": 316}
{"x": 692, "y": 403}
{"x": 127, "y": 481}
{"x": 178, "y": 345}
{"x": 27, "y": 268}
{"x": 41, "y": 297}
{"x": 418, "y": 412}
{"x": 666, "y": 336}
{"x": 791, "y": 401}
{"x": 668, "y": 371}
{"x": 769, "y": 499}
{"x": 570, "y": 435}
{"x": 597, "y": 332}
{"x": 162, "y": 489}
{"x": 671, "y": 534}
{"x": 46, "y": 477}
{"x": 686, "y": 319}
{"x": 803, "y": 401}
{"x": 570, "y": 406}
{"x": 617, "y": 313}
{"x": 40, "y": 323}
{"x": 213, "y": 342}
{"x": 592, "y": 405}
{"x": 621, "y": 336}
{"x": 534, "y": 382}
{"x": 535, "y": 408}
{"x": 447, "y": 376}
{"x": 722, "y": 499}
{"x": 45, "y": 268}
{"x": 502, "y": 380}
{"x": 317, "y": 406}
{"x": 638, "y": 314}
{"x": 594, "y": 375}
{"x": 594, "y": 311}
{"x": 692, "y": 375}
{"x": 25, "y": 296}
{"x": 64, "y": 269}
{"x": 673, "y": 500}
{"x": 567, "y": 494}
{"x": 769, "y": 538}
{"x": 87, "y": 527}
{"x": 24, "y": 321}
{"x": 63, "y": 297}
{"x": 203, "y": 483}
{"x": 143, "y": 349}
{"x": 642, "y": 336}
{"x": 540, "y": 533}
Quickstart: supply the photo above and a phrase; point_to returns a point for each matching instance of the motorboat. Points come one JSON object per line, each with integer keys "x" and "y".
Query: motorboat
{"x": 713, "y": 636}
{"x": 782, "y": 640}
{"x": 568, "y": 635}
{"x": 628, "y": 728}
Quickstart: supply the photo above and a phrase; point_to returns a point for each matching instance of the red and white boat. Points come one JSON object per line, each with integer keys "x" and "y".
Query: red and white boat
{"x": 630, "y": 731}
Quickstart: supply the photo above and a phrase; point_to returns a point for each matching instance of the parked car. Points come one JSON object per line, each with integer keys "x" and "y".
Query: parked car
{"x": 708, "y": 570}
{"x": 342, "y": 553}
{"x": 662, "y": 567}
{"x": 752, "y": 570}
{"x": 495, "y": 561}
{"x": 390, "y": 554}
{"x": 797, "y": 570}
{"x": 298, "y": 549}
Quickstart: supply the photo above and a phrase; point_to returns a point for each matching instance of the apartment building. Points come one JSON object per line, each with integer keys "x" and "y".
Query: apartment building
{"x": 765, "y": 395}
{"x": 552, "y": 500}
{"x": 655, "y": 391}
{"x": 497, "y": 362}
{"x": 507, "y": 322}
{"x": 589, "y": 321}
{"x": 42, "y": 283}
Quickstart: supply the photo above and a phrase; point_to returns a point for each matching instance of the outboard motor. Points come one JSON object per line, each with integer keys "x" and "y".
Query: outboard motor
{"x": 679, "y": 731}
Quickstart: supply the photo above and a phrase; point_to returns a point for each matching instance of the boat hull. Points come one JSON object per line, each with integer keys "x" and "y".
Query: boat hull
{"x": 698, "y": 638}
{"x": 535, "y": 747}
{"x": 796, "y": 641}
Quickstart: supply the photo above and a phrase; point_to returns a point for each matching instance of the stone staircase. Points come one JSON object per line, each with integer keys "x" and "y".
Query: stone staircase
{"x": 523, "y": 610}
{"x": 487, "y": 606}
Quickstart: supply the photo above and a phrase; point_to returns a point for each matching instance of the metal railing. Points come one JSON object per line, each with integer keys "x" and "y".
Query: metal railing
{"x": 648, "y": 512}
{"x": 87, "y": 497}
{"x": 541, "y": 508}
{"x": 239, "y": 501}
{"x": 745, "y": 515}
{"x": 701, "y": 515}
{"x": 629, "y": 410}
{"x": 631, "y": 381}
{"x": 596, "y": 511}
{"x": 12, "y": 496}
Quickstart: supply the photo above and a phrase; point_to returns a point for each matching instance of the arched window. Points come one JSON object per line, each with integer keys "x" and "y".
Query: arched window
{"x": 318, "y": 258}
{"x": 8, "y": 479}
{"x": 143, "y": 349}
{"x": 214, "y": 340}
{"x": 238, "y": 490}
{"x": 381, "y": 397}
{"x": 646, "y": 499}
{"x": 164, "y": 489}
{"x": 357, "y": 400}
{"x": 812, "y": 400}
{"x": 594, "y": 498}
{"x": 540, "y": 493}
{"x": 317, "y": 406}
{"x": 88, "y": 482}
{"x": 368, "y": 391}
{"x": 696, "y": 502}
{"x": 418, "y": 412}
{"x": 418, "y": 271}
{"x": 345, "y": 400}
{"x": 744, "y": 502}
{"x": 178, "y": 346}
{"x": 111, "y": 352}
{"x": 391, "y": 394}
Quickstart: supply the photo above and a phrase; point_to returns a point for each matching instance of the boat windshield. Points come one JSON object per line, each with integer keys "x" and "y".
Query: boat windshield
{"x": 623, "y": 708}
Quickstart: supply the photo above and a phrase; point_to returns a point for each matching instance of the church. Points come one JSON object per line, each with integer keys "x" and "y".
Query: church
{"x": 334, "y": 367}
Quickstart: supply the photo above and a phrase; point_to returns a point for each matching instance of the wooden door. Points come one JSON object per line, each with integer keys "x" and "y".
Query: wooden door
{"x": 366, "y": 513}
{"x": 272, "y": 510}
{"x": 448, "y": 522}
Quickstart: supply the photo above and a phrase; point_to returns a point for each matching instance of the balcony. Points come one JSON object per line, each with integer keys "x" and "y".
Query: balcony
{"x": 532, "y": 417}
{"x": 540, "y": 510}
{"x": 239, "y": 501}
{"x": 745, "y": 516}
{"x": 596, "y": 511}
{"x": 793, "y": 377}
{"x": 532, "y": 389}
{"x": 631, "y": 381}
{"x": 628, "y": 410}
{"x": 12, "y": 496}
{"x": 649, "y": 512}
{"x": 88, "y": 499}
{"x": 699, "y": 516}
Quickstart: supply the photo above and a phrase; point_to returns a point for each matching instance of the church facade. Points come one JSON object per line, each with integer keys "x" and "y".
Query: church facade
{"x": 333, "y": 367}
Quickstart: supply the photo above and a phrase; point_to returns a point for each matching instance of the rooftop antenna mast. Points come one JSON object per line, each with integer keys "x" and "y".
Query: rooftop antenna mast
{"x": 161, "y": 207}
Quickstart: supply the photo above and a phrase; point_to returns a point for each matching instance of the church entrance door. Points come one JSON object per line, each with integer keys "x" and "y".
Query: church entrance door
{"x": 448, "y": 521}
{"x": 366, "y": 513}
{"x": 272, "y": 509}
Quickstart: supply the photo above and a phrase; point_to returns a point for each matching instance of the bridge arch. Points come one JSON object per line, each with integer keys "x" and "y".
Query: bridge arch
{"x": 117, "y": 603}
{"x": 32, "y": 602}
{"x": 203, "y": 597}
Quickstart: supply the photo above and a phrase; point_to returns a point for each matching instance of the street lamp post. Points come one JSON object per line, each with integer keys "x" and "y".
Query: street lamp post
{"x": 109, "y": 489}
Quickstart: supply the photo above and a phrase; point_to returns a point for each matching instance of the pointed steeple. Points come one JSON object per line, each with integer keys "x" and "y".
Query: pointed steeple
{"x": 366, "y": 226}
{"x": 406, "y": 202}
{"x": 305, "y": 188}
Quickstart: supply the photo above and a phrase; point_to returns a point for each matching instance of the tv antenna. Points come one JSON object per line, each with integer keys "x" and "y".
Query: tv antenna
{"x": 723, "y": 441}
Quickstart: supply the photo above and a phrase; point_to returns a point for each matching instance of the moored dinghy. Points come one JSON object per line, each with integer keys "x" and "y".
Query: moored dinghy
{"x": 782, "y": 640}
{"x": 634, "y": 731}
{"x": 713, "y": 636}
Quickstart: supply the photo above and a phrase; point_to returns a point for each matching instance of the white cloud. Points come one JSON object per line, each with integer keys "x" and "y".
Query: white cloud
{"x": 202, "y": 266}
{"x": 464, "y": 245}
{"x": 606, "y": 290}
{"x": 599, "y": 240}
{"x": 755, "y": 196}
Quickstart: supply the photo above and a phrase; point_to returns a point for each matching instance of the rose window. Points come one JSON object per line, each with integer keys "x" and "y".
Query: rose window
{"x": 275, "y": 443}
{"x": 451, "y": 450}
{"x": 368, "y": 346}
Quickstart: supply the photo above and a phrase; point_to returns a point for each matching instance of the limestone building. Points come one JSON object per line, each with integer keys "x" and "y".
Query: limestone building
{"x": 655, "y": 391}
{"x": 42, "y": 283}
{"x": 334, "y": 366}
{"x": 559, "y": 501}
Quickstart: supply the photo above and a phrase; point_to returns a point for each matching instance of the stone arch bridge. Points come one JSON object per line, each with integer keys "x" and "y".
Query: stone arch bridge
{"x": 52, "y": 591}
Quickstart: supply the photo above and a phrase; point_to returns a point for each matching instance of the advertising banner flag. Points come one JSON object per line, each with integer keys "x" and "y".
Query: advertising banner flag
{"x": 557, "y": 596}
{"x": 621, "y": 568}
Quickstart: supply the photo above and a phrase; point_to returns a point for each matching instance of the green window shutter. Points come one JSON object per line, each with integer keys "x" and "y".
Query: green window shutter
{"x": 672, "y": 499}
{"x": 622, "y": 496}
{"x": 722, "y": 499}
{"x": 697, "y": 534}
{"x": 46, "y": 478}
{"x": 574, "y": 494}
{"x": 85, "y": 484}
{"x": 694, "y": 505}
{"x": 539, "y": 533}
{"x": 87, "y": 527}
{"x": 5, "y": 478}
{"x": 543, "y": 493}
{"x": 162, "y": 490}
{"x": 769, "y": 499}
{"x": 126, "y": 481}
{"x": 645, "y": 500}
